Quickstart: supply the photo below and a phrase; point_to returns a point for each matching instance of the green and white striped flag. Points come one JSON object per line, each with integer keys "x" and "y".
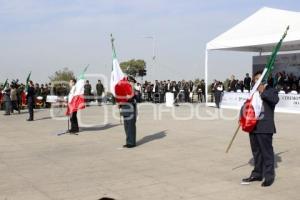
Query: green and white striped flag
{"x": 27, "y": 82}
{"x": 116, "y": 74}
{"x": 4, "y": 85}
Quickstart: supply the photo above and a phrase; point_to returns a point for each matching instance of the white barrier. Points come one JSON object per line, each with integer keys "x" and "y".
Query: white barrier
{"x": 52, "y": 99}
{"x": 169, "y": 99}
{"x": 288, "y": 103}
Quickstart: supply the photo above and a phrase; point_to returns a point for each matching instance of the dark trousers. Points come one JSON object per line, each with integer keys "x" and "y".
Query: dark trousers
{"x": 99, "y": 100}
{"x": 7, "y": 105}
{"x": 130, "y": 127}
{"x": 74, "y": 122}
{"x": 30, "y": 106}
{"x": 218, "y": 95}
{"x": 263, "y": 154}
{"x": 14, "y": 106}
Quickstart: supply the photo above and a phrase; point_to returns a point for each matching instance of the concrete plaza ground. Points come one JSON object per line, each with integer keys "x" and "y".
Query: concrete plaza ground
{"x": 175, "y": 159}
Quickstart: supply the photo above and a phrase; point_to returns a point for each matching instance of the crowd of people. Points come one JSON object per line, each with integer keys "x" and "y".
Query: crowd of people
{"x": 14, "y": 94}
{"x": 184, "y": 91}
{"x": 282, "y": 81}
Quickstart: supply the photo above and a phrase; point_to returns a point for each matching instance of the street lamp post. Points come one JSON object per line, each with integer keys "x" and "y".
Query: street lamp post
{"x": 153, "y": 53}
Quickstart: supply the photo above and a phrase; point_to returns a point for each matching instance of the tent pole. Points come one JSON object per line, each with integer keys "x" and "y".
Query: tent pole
{"x": 206, "y": 77}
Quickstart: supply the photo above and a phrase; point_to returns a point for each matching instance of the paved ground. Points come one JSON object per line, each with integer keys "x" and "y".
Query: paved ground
{"x": 175, "y": 159}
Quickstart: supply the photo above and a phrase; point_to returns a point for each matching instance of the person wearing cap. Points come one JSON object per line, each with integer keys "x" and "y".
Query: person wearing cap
{"x": 129, "y": 113}
{"x": 30, "y": 100}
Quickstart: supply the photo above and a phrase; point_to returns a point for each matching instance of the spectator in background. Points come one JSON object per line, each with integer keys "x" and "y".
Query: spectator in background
{"x": 202, "y": 87}
{"x": 247, "y": 82}
{"x": 239, "y": 86}
{"x": 14, "y": 99}
{"x": 87, "y": 92}
{"x": 100, "y": 91}
{"x": 218, "y": 93}
{"x": 232, "y": 84}
{"x": 294, "y": 89}
{"x": 7, "y": 100}
{"x": 138, "y": 92}
{"x": 37, "y": 90}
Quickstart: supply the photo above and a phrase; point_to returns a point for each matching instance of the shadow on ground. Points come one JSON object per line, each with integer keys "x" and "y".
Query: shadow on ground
{"x": 278, "y": 159}
{"x": 150, "y": 138}
{"x": 99, "y": 127}
{"x": 43, "y": 118}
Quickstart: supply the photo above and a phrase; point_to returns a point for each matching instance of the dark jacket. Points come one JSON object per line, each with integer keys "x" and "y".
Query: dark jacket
{"x": 266, "y": 122}
{"x": 6, "y": 97}
{"x": 30, "y": 95}
{"x": 129, "y": 109}
{"x": 99, "y": 88}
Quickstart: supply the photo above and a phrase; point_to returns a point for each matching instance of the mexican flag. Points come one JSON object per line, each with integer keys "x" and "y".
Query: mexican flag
{"x": 116, "y": 74}
{"x": 76, "y": 95}
{"x": 27, "y": 82}
{"x": 4, "y": 85}
{"x": 251, "y": 109}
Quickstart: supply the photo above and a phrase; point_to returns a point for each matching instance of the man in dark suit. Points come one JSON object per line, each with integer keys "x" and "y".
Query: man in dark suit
{"x": 87, "y": 92}
{"x": 218, "y": 94}
{"x": 232, "y": 84}
{"x": 261, "y": 137}
{"x": 100, "y": 90}
{"x": 247, "y": 82}
{"x": 30, "y": 100}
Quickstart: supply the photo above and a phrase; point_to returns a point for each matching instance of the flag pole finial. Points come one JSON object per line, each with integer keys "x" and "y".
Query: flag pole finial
{"x": 112, "y": 45}
{"x": 112, "y": 39}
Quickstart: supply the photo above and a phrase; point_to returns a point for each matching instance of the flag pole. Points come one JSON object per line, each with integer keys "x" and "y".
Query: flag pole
{"x": 114, "y": 54}
{"x": 234, "y": 136}
{"x": 264, "y": 77}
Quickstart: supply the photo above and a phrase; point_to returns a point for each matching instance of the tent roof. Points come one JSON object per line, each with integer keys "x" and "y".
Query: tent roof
{"x": 261, "y": 32}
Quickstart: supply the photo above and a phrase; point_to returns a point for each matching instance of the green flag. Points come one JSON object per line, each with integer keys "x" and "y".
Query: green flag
{"x": 269, "y": 66}
{"x": 27, "y": 82}
{"x": 81, "y": 76}
{"x": 272, "y": 58}
{"x": 4, "y": 85}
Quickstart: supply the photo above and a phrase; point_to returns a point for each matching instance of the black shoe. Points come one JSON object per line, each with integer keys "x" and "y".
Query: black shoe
{"x": 73, "y": 132}
{"x": 251, "y": 179}
{"x": 29, "y": 120}
{"x": 128, "y": 146}
{"x": 267, "y": 182}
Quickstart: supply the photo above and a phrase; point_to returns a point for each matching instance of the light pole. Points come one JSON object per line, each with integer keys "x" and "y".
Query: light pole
{"x": 152, "y": 37}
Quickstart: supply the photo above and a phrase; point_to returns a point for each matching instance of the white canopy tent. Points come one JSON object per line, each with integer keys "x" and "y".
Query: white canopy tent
{"x": 258, "y": 33}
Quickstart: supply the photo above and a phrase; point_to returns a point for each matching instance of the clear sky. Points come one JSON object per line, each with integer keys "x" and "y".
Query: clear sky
{"x": 43, "y": 36}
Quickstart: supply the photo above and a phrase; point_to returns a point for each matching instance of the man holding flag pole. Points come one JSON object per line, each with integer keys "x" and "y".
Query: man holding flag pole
{"x": 30, "y": 97}
{"x": 257, "y": 118}
{"x": 122, "y": 89}
{"x": 76, "y": 101}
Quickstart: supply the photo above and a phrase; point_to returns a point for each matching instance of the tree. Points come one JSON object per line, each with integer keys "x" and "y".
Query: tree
{"x": 62, "y": 75}
{"x": 133, "y": 66}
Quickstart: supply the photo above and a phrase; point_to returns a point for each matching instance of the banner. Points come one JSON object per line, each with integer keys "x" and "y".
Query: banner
{"x": 289, "y": 103}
